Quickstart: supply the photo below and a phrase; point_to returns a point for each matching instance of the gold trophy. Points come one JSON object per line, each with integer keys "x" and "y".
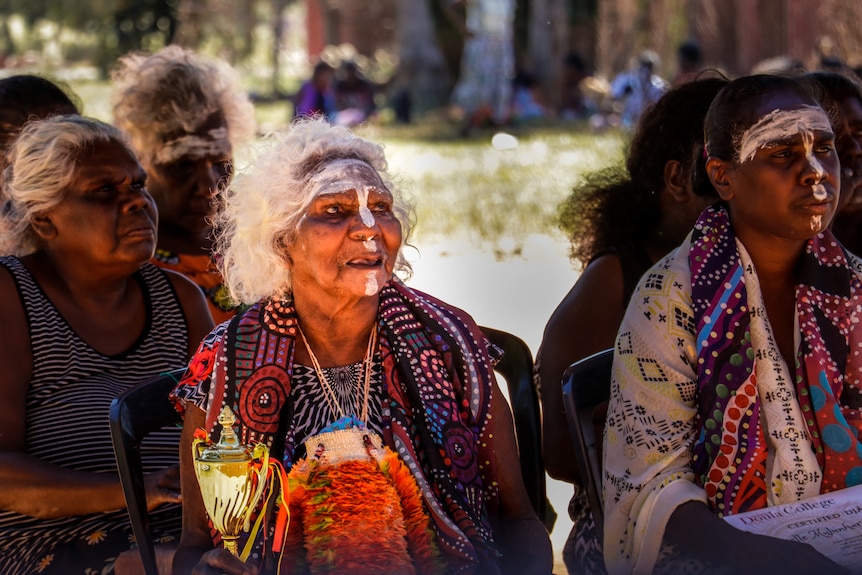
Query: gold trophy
{"x": 230, "y": 484}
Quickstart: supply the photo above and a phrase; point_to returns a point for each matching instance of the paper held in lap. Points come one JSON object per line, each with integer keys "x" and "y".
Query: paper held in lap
{"x": 831, "y": 523}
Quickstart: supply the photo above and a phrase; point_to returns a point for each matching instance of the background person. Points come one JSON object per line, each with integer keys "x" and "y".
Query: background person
{"x": 186, "y": 116}
{"x": 638, "y": 88}
{"x": 354, "y": 96}
{"x": 24, "y": 98}
{"x": 85, "y": 318}
{"x": 689, "y": 62}
{"x": 843, "y": 98}
{"x": 619, "y": 227}
{"x": 315, "y": 96}
{"x": 735, "y": 377}
{"x": 353, "y": 347}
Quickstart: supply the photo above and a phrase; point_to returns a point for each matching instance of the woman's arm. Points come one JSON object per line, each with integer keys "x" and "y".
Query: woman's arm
{"x": 520, "y": 535}
{"x": 585, "y": 322}
{"x": 195, "y": 308}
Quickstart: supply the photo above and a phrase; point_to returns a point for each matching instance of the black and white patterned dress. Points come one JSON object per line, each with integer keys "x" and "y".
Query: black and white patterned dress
{"x": 67, "y": 425}
{"x": 311, "y": 412}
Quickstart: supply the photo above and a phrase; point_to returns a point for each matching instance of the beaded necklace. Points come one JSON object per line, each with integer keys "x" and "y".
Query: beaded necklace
{"x": 329, "y": 392}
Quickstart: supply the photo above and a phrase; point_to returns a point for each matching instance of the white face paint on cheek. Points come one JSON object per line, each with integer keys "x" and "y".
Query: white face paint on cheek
{"x": 371, "y": 283}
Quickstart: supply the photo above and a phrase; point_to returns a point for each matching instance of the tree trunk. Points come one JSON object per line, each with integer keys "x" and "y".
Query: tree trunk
{"x": 331, "y": 11}
{"x": 278, "y": 7}
{"x": 421, "y": 72}
{"x": 190, "y": 27}
{"x": 546, "y": 44}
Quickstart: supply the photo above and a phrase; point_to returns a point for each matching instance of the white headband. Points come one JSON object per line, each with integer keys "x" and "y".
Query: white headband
{"x": 214, "y": 143}
{"x": 779, "y": 125}
{"x": 348, "y": 174}
{"x": 345, "y": 174}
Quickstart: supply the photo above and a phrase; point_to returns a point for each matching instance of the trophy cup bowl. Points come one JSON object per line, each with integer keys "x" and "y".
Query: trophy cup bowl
{"x": 230, "y": 482}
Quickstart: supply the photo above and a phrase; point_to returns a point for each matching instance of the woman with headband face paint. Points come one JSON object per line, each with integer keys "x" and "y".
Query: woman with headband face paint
{"x": 352, "y": 370}
{"x": 737, "y": 371}
{"x": 186, "y": 116}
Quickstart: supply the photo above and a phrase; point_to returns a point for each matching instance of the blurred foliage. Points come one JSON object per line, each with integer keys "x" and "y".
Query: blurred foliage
{"x": 113, "y": 27}
{"x": 488, "y": 192}
{"x": 99, "y": 31}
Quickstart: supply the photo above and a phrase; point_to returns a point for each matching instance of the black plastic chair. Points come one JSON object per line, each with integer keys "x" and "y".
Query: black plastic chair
{"x": 517, "y": 369}
{"x": 135, "y": 414}
{"x": 586, "y": 385}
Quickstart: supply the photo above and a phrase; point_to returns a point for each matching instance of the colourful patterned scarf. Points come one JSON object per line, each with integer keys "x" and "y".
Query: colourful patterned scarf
{"x": 438, "y": 376}
{"x": 730, "y": 450}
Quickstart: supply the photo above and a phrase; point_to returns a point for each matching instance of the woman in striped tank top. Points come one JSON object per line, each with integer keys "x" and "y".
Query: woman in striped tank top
{"x": 84, "y": 318}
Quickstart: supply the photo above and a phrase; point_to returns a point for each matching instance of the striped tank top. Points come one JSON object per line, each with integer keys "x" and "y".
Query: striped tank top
{"x": 67, "y": 410}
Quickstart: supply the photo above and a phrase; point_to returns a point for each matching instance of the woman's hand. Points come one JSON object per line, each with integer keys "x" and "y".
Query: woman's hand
{"x": 163, "y": 487}
{"x": 699, "y": 533}
{"x": 219, "y": 561}
{"x": 772, "y": 555}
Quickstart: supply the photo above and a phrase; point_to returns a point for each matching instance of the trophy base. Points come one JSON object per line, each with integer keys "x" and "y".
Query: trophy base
{"x": 231, "y": 544}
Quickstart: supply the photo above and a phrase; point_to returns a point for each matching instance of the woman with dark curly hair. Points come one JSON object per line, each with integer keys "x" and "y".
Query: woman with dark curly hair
{"x": 619, "y": 223}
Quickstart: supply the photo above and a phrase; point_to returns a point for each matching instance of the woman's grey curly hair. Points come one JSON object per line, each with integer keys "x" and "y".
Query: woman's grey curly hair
{"x": 260, "y": 213}
{"x": 41, "y": 166}
{"x": 175, "y": 91}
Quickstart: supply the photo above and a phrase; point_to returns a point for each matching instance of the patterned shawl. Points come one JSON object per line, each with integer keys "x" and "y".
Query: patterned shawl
{"x": 438, "y": 377}
{"x": 730, "y": 448}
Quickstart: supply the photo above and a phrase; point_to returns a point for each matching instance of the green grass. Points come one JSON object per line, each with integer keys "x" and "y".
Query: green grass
{"x": 470, "y": 187}
{"x": 464, "y": 186}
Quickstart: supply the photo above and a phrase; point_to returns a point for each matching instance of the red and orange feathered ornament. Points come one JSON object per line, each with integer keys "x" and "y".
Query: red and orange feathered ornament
{"x": 356, "y": 508}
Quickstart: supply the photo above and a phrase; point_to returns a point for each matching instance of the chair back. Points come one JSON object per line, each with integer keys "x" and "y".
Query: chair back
{"x": 516, "y": 367}
{"x": 586, "y": 385}
{"x": 135, "y": 414}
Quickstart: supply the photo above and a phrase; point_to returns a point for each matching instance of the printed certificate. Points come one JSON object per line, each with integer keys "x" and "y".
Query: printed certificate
{"x": 831, "y": 523}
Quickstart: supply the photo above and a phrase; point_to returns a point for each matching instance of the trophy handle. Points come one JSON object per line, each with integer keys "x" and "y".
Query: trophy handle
{"x": 262, "y": 453}
{"x": 198, "y": 443}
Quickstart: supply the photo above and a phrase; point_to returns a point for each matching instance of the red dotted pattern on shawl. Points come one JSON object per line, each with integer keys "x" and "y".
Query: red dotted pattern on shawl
{"x": 827, "y": 322}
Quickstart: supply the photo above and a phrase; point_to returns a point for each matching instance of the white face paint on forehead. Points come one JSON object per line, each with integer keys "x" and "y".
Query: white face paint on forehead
{"x": 214, "y": 143}
{"x": 348, "y": 174}
{"x": 779, "y": 125}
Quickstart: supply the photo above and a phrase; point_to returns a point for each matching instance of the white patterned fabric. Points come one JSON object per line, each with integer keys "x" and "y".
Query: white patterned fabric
{"x": 651, "y": 417}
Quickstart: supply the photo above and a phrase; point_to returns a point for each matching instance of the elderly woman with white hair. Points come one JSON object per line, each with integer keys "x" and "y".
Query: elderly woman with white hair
{"x": 379, "y": 399}
{"x": 186, "y": 116}
{"x": 85, "y": 317}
